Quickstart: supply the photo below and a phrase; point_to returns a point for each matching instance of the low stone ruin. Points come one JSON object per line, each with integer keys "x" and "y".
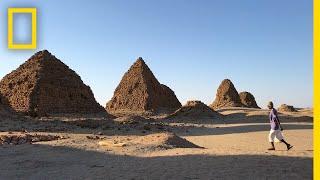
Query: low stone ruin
{"x": 196, "y": 110}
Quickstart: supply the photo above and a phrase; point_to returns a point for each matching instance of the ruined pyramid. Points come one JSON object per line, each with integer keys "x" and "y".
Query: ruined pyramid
{"x": 227, "y": 96}
{"x": 140, "y": 93}
{"x": 195, "y": 110}
{"x": 248, "y": 100}
{"x": 286, "y": 108}
{"x": 165, "y": 140}
{"x": 44, "y": 85}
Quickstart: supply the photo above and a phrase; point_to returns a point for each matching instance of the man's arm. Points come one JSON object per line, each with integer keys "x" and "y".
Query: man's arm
{"x": 278, "y": 121}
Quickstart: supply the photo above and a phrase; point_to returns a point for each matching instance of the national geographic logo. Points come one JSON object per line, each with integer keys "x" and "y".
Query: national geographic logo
{"x": 33, "y": 12}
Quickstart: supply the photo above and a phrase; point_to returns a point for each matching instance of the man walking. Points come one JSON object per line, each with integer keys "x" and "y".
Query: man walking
{"x": 276, "y": 128}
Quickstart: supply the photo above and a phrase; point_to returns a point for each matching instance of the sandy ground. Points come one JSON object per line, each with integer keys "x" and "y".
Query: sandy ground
{"x": 234, "y": 149}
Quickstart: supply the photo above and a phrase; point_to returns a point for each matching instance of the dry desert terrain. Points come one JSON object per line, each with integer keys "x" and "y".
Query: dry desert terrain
{"x": 231, "y": 147}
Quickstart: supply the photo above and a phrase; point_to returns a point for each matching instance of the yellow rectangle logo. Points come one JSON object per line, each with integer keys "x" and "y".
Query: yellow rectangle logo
{"x": 33, "y": 44}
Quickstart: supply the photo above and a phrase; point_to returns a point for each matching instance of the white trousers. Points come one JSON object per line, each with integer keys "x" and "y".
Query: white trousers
{"x": 275, "y": 134}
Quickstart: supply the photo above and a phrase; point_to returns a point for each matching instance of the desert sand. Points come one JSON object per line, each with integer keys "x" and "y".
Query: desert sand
{"x": 233, "y": 146}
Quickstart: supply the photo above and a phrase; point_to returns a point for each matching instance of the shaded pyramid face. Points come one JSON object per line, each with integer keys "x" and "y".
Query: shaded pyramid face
{"x": 7, "y": 113}
{"x": 227, "y": 96}
{"x": 139, "y": 91}
{"x": 44, "y": 85}
{"x": 4, "y": 109}
{"x": 248, "y": 100}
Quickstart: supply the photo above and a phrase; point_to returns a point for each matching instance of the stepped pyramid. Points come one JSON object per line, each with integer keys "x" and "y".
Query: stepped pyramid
{"x": 139, "y": 92}
{"x": 227, "y": 96}
{"x": 44, "y": 85}
{"x": 248, "y": 100}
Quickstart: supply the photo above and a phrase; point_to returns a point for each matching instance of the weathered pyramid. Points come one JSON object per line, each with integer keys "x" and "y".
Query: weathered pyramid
{"x": 195, "y": 110}
{"x": 227, "y": 96}
{"x": 286, "y": 108}
{"x": 44, "y": 85}
{"x": 248, "y": 100}
{"x": 139, "y": 92}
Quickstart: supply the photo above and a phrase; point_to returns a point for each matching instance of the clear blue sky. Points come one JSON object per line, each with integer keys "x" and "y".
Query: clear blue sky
{"x": 264, "y": 47}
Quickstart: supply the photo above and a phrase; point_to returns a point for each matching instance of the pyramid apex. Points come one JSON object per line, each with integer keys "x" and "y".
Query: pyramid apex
{"x": 44, "y": 52}
{"x": 226, "y": 80}
{"x": 140, "y": 61}
{"x": 41, "y": 54}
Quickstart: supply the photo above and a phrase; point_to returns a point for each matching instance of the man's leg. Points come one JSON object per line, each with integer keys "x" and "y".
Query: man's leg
{"x": 272, "y": 147}
{"x": 271, "y": 137}
{"x": 279, "y": 136}
{"x": 282, "y": 140}
{"x": 287, "y": 144}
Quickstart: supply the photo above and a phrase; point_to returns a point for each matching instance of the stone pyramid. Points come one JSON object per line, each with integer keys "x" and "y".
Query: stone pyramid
{"x": 44, "y": 85}
{"x": 227, "y": 96}
{"x": 248, "y": 100}
{"x": 139, "y": 93}
{"x": 286, "y": 108}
